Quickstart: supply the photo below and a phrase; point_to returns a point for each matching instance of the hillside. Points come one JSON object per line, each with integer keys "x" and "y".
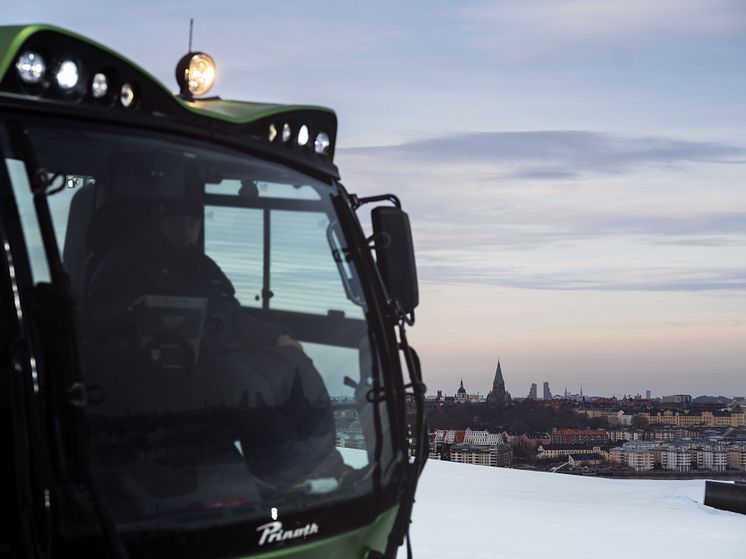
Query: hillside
{"x": 476, "y": 512}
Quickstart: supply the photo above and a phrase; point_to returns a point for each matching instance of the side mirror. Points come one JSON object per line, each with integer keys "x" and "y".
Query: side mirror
{"x": 395, "y": 256}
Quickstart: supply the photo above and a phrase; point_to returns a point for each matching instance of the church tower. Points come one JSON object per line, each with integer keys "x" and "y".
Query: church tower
{"x": 461, "y": 395}
{"x": 498, "y": 395}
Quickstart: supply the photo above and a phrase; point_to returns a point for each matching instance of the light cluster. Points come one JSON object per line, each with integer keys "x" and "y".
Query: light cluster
{"x": 299, "y": 136}
{"x": 69, "y": 77}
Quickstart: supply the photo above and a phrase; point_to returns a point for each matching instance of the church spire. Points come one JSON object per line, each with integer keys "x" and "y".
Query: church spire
{"x": 498, "y": 374}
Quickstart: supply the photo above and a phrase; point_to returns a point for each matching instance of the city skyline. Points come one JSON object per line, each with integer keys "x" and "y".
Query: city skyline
{"x": 557, "y": 390}
{"x": 573, "y": 170}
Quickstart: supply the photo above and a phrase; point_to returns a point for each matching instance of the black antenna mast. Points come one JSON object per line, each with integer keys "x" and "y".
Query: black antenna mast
{"x": 191, "y": 28}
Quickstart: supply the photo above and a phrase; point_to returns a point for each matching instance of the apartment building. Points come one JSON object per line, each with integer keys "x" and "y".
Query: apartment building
{"x": 496, "y": 456}
{"x": 678, "y": 459}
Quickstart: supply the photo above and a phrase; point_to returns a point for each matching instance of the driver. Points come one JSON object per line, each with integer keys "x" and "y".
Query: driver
{"x": 242, "y": 362}
{"x": 163, "y": 258}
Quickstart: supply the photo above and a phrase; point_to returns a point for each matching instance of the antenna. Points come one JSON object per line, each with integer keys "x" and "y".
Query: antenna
{"x": 191, "y": 29}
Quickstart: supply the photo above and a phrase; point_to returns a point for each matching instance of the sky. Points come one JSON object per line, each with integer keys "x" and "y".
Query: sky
{"x": 574, "y": 170}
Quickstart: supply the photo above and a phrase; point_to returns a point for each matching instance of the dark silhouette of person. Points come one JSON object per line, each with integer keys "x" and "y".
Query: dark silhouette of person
{"x": 242, "y": 362}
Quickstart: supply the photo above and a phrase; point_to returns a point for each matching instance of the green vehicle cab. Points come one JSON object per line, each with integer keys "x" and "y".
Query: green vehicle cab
{"x": 202, "y": 354}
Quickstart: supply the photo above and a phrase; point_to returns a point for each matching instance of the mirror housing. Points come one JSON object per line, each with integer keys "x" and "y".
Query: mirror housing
{"x": 395, "y": 256}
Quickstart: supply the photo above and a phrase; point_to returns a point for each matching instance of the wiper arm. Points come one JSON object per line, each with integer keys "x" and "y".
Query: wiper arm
{"x": 40, "y": 183}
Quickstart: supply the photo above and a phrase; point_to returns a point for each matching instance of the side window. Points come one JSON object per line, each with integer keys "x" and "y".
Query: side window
{"x": 29, "y": 222}
{"x": 59, "y": 208}
{"x": 304, "y": 275}
{"x": 234, "y": 239}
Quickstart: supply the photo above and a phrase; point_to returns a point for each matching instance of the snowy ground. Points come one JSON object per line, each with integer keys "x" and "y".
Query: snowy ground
{"x": 477, "y": 512}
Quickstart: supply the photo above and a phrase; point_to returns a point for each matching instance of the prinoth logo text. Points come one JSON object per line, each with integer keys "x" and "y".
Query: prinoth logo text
{"x": 272, "y": 532}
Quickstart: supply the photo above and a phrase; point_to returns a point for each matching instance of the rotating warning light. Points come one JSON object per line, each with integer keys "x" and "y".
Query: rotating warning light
{"x": 31, "y": 67}
{"x": 195, "y": 74}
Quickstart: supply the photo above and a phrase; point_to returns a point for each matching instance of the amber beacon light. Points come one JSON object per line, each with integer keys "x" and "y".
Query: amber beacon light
{"x": 195, "y": 74}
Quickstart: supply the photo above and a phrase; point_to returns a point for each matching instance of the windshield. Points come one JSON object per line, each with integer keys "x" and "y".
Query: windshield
{"x": 227, "y": 356}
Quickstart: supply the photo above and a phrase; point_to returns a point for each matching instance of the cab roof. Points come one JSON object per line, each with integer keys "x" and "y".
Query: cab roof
{"x": 254, "y": 126}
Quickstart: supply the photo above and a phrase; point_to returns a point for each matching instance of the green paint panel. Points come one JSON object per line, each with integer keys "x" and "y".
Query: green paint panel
{"x": 351, "y": 545}
{"x": 240, "y": 112}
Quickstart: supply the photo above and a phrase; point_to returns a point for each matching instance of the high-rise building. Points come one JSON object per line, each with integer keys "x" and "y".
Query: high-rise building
{"x": 547, "y": 392}
{"x": 532, "y": 392}
{"x": 498, "y": 394}
{"x": 648, "y": 394}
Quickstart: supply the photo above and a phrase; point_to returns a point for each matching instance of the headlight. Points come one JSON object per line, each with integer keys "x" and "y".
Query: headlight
{"x": 68, "y": 75}
{"x": 99, "y": 86}
{"x": 127, "y": 95}
{"x": 31, "y": 67}
{"x": 303, "y": 135}
{"x": 322, "y": 143}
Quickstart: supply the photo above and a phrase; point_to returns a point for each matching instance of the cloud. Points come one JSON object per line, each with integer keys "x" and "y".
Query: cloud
{"x": 515, "y": 29}
{"x": 568, "y": 210}
{"x": 555, "y": 155}
{"x": 588, "y": 278}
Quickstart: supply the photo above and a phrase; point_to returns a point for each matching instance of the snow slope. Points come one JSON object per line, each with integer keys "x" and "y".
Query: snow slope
{"x": 476, "y": 512}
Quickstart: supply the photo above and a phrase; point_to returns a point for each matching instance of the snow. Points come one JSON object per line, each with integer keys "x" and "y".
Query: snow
{"x": 477, "y": 512}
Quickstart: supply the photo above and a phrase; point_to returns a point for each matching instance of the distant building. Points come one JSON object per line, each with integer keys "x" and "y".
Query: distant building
{"x": 690, "y": 418}
{"x": 648, "y": 394}
{"x": 737, "y": 459}
{"x": 580, "y": 460}
{"x": 579, "y": 436}
{"x": 547, "y": 392}
{"x": 498, "y": 395}
{"x": 500, "y": 456}
{"x": 677, "y": 459}
{"x": 619, "y": 418}
{"x": 639, "y": 459}
{"x": 677, "y": 399}
{"x": 714, "y": 458}
{"x": 532, "y": 392}
{"x": 554, "y": 451}
{"x": 531, "y": 440}
{"x": 463, "y": 397}
{"x": 461, "y": 392}
{"x": 617, "y": 435}
{"x": 483, "y": 437}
